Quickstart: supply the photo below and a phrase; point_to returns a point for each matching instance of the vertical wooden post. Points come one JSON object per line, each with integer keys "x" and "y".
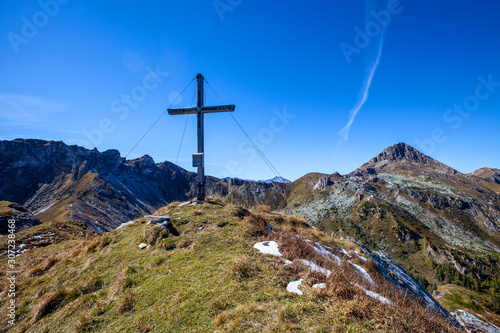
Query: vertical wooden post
{"x": 200, "y": 120}
{"x": 200, "y": 110}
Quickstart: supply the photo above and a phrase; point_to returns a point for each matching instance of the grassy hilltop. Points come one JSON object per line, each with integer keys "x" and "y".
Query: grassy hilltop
{"x": 209, "y": 278}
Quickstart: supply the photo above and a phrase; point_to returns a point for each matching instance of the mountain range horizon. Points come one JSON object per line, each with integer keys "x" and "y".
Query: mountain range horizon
{"x": 394, "y": 152}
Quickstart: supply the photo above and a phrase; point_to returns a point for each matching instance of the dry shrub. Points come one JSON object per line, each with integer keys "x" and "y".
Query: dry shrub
{"x": 278, "y": 219}
{"x": 168, "y": 246}
{"x": 263, "y": 208}
{"x": 243, "y": 268}
{"x": 51, "y": 261}
{"x": 294, "y": 247}
{"x": 183, "y": 243}
{"x": 153, "y": 233}
{"x": 215, "y": 200}
{"x": 35, "y": 271}
{"x": 126, "y": 303}
{"x": 238, "y": 212}
{"x": 371, "y": 267}
{"x": 298, "y": 222}
{"x": 196, "y": 213}
{"x": 86, "y": 324}
{"x": 96, "y": 283}
{"x": 92, "y": 246}
{"x": 405, "y": 315}
{"x": 105, "y": 241}
{"x": 257, "y": 226}
{"x": 339, "y": 284}
{"x": 50, "y": 303}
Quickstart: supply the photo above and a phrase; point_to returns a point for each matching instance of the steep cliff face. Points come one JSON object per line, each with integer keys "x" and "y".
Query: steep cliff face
{"x": 12, "y": 211}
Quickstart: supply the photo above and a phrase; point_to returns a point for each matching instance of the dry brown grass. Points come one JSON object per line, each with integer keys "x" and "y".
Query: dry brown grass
{"x": 126, "y": 303}
{"x": 263, "y": 208}
{"x": 49, "y": 262}
{"x": 36, "y": 271}
{"x": 351, "y": 302}
{"x": 257, "y": 226}
{"x": 92, "y": 245}
{"x": 154, "y": 234}
{"x": 196, "y": 213}
{"x": 404, "y": 315}
{"x": 50, "y": 303}
{"x": 96, "y": 283}
{"x": 238, "y": 212}
{"x": 242, "y": 268}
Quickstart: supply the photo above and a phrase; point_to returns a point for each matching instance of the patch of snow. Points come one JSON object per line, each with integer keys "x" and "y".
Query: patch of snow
{"x": 286, "y": 262}
{"x": 268, "y": 247}
{"x": 293, "y": 287}
{"x": 473, "y": 324}
{"x": 362, "y": 272}
{"x": 319, "y": 286}
{"x": 362, "y": 258}
{"x": 324, "y": 252}
{"x": 125, "y": 224}
{"x": 374, "y": 295}
{"x": 344, "y": 252}
{"x": 39, "y": 211}
{"x": 315, "y": 268}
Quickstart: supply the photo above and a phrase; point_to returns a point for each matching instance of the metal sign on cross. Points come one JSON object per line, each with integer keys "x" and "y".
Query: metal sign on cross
{"x": 200, "y": 110}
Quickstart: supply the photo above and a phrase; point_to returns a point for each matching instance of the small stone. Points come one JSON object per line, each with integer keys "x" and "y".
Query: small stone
{"x": 143, "y": 246}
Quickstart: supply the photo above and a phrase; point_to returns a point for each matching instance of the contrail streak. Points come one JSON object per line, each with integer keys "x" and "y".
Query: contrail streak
{"x": 365, "y": 88}
{"x": 344, "y": 133}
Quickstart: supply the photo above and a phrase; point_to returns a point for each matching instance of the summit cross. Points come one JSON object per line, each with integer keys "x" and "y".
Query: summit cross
{"x": 200, "y": 110}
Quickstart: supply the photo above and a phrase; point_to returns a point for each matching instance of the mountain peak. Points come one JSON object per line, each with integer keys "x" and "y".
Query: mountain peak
{"x": 401, "y": 151}
{"x": 404, "y": 156}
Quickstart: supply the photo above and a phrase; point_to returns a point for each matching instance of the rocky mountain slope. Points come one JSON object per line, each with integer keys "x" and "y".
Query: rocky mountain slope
{"x": 440, "y": 225}
{"x": 12, "y": 211}
{"x": 489, "y": 174}
{"x": 57, "y": 182}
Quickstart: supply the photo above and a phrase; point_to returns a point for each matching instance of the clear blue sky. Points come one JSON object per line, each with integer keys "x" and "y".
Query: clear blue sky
{"x": 67, "y": 68}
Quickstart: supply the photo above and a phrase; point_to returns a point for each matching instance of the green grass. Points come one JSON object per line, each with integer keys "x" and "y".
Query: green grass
{"x": 209, "y": 279}
{"x": 456, "y": 297}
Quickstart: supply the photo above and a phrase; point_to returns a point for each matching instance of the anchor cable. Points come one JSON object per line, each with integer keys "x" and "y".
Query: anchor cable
{"x": 252, "y": 142}
{"x": 151, "y": 127}
{"x": 268, "y": 162}
{"x": 184, "y": 131}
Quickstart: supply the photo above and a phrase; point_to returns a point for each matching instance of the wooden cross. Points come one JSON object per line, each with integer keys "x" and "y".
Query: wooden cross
{"x": 200, "y": 110}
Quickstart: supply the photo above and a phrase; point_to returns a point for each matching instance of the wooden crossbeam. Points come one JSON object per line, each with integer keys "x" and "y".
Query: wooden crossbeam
{"x": 200, "y": 110}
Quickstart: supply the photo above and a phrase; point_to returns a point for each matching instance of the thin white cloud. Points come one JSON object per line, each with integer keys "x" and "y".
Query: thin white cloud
{"x": 25, "y": 101}
{"x": 25, "y": 110}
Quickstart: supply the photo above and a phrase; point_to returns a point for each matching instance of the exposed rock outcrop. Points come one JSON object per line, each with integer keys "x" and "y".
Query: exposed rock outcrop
{"x": 22, "y": 217}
